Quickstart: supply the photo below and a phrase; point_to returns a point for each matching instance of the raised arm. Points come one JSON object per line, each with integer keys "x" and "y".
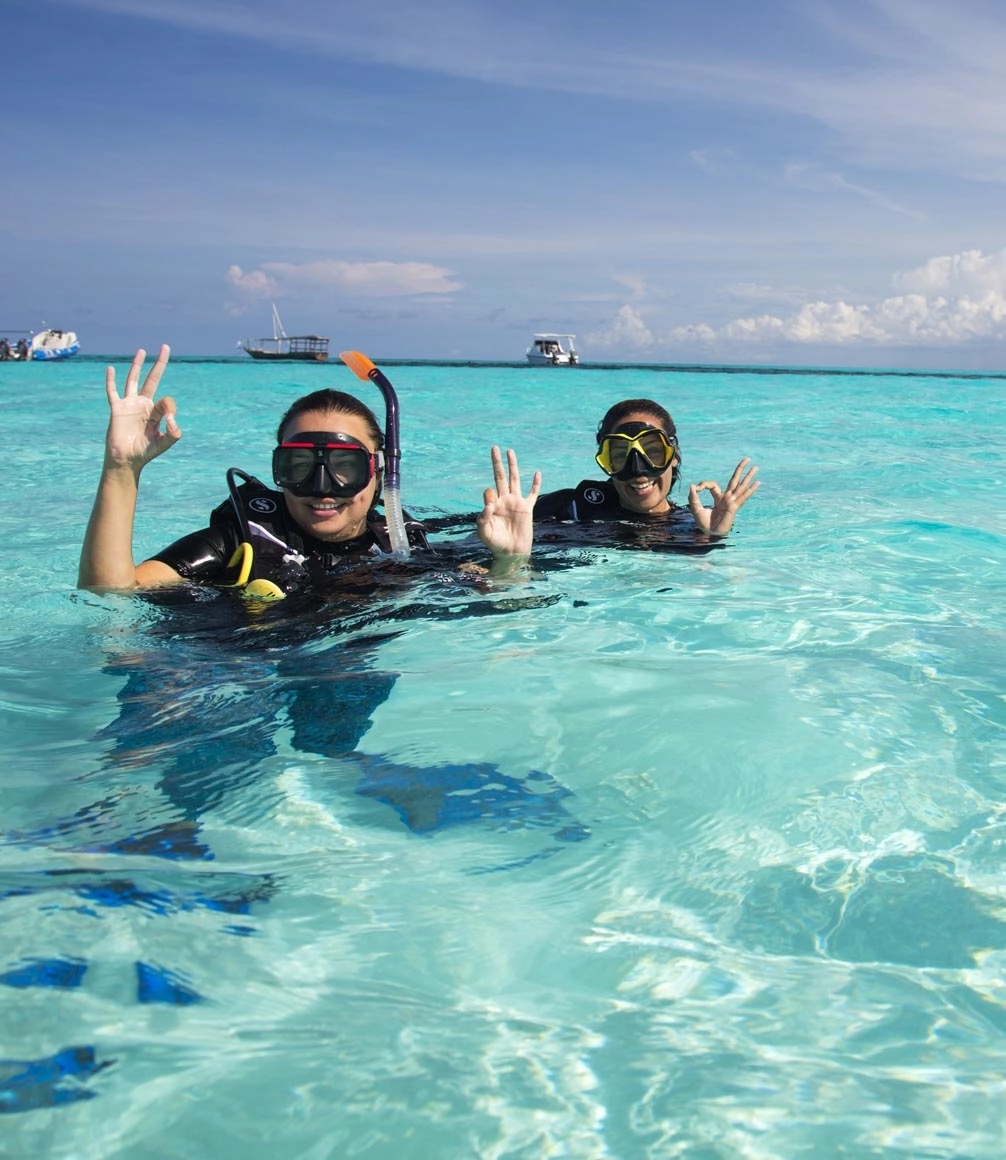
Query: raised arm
{"x": 133, "y": 439}
{"x": 505, "y": 522}
{"x": 719, "y": 519}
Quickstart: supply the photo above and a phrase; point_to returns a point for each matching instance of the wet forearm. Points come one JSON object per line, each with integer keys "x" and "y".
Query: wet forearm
{"x": 508, "y": 566}
{"x": 106, "y": 559}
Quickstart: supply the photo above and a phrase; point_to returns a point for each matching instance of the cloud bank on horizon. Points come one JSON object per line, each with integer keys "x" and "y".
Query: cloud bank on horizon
{"x": 713, "y": 180}
{"x": 947, "y": 302}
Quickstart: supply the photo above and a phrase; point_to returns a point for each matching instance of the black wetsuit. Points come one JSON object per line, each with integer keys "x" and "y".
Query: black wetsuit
{"x": 284, "y": 552}
{"x": 595, "y": 502}
{"x": 589, "y": 500}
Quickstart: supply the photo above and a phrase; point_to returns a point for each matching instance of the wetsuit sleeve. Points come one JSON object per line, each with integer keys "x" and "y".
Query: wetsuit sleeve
{"x": 202, "y": 556}
{"x": 555, "y": 505}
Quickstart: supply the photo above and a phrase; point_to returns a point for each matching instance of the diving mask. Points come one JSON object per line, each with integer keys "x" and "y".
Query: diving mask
{"x": 636, "y": 449}
{"x": 324, "y": 463}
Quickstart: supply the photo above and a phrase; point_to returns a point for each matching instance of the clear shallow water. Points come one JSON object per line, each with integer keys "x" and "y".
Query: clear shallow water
{"x": 655, "y": 855}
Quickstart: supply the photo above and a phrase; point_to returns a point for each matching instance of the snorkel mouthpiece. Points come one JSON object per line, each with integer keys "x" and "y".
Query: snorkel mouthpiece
{"x": 363, "y": 368}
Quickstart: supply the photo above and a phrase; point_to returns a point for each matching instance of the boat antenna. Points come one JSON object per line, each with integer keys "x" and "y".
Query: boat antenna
{"x": 364, "y": 369}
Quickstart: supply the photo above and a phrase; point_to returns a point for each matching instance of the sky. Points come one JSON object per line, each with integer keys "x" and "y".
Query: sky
{"x": 787, "y": 182}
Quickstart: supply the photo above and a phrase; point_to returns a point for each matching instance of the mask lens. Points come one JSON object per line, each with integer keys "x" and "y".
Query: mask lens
{"x": 655, "y": 448}
{"x": 615, "y": 448}
{"x": 348, "y": 466}
{"x": 323, "y": 465}
{"x": 651, "y": 445}
{"x": 295, "y": 464}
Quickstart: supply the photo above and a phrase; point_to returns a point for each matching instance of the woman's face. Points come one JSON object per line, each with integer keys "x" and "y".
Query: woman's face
{"x": 645, "y": 494}
{"x": 332, "y": 517}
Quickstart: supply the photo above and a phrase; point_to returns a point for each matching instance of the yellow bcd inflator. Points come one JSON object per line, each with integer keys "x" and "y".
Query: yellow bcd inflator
{"x": 252, "y": 590}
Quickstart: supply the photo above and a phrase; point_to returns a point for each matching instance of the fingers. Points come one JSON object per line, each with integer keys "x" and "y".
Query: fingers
{"x": 110, "y": 390}
{"x": 483, "y": 521}
{"x": 699, "y": 513}
{"x": 514, "y": 472}
{"x": 150, "y": 383}
{"x": 743, "y": 484}
{"x": 153, "y": 378}
{"x": 499, "y": 477}
{"x": 709, "y": 485}
{"x": 133, "y": 374}
{"x": 738, "y": 472}
{"x": 508, "y": 481}
{"x": 165, "y": 409}
{"x": 740, "y": 477}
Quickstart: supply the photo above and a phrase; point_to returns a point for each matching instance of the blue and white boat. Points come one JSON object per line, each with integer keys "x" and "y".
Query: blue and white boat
{"x": 54, "y": 344}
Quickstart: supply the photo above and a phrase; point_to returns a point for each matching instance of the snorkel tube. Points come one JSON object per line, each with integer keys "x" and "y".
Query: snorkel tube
{"x": 363, "y": 368}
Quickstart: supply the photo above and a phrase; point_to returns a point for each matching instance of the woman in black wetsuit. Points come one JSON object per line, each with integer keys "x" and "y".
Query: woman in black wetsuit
{"x": 321, "y": 682}
{"x": 638, "y": 451}
{"x": 329, "y": 468}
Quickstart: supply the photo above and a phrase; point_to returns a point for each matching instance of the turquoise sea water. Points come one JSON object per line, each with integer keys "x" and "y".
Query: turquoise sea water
{"x": 653, "y": 855}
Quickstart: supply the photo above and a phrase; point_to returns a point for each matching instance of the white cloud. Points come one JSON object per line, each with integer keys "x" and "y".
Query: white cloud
{"x": 951, "y": 301}
{"x": 970, "y": 272}
{"x": 255, "y": 284}
{"x": 697, "y": 332}
{"x": 904, "y": 320}
{"x": 360, "y": 279}
{"x": 627, "y": 330}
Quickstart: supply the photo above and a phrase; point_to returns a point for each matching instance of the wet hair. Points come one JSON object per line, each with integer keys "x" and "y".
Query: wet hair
{"x": 621, "y": 411}
{"x": 329, "y": 400}
{"x": 617, "y": 415}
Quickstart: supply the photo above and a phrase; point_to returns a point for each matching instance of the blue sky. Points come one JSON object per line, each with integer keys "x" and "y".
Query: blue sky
{"x": 812, "y": 182}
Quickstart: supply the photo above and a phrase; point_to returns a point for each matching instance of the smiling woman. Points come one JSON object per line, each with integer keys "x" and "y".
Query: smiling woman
{"x": 329, "y": 466}
{"x": 638, "y": 451}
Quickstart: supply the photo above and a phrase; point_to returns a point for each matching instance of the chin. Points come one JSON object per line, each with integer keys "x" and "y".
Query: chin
{"x": 642, "y": 501}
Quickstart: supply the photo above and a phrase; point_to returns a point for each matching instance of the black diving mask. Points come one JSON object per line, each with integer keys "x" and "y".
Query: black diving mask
{"x": 636, "y": 449}
{"x": 324, "y": 463}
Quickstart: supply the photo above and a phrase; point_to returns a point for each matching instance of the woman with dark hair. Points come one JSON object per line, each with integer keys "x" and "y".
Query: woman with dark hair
{"x": 637, "y": 448}
{"x": 202, "y": 704}
{"x": 328, "y": 466}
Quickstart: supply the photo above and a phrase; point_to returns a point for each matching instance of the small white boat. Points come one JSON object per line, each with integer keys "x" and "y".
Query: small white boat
{"x": 53, "y": 344}
{"x": 547, "y": 350}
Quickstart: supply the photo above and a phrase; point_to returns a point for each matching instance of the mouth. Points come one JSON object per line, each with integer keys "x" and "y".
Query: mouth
{"x": 324, "y": 506}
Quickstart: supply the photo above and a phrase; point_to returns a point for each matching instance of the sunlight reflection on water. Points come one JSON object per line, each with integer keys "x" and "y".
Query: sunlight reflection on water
{"x": 670, "y": 855}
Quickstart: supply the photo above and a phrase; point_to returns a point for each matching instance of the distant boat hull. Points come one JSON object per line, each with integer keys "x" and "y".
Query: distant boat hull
{"x": 557, "y": 360}
{"x": 62, "y": 352}
{"x": 286, "y": 356}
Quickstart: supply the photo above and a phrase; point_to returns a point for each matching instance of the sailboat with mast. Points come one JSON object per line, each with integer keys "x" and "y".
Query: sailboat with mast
{"x": 286, "y": 347}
